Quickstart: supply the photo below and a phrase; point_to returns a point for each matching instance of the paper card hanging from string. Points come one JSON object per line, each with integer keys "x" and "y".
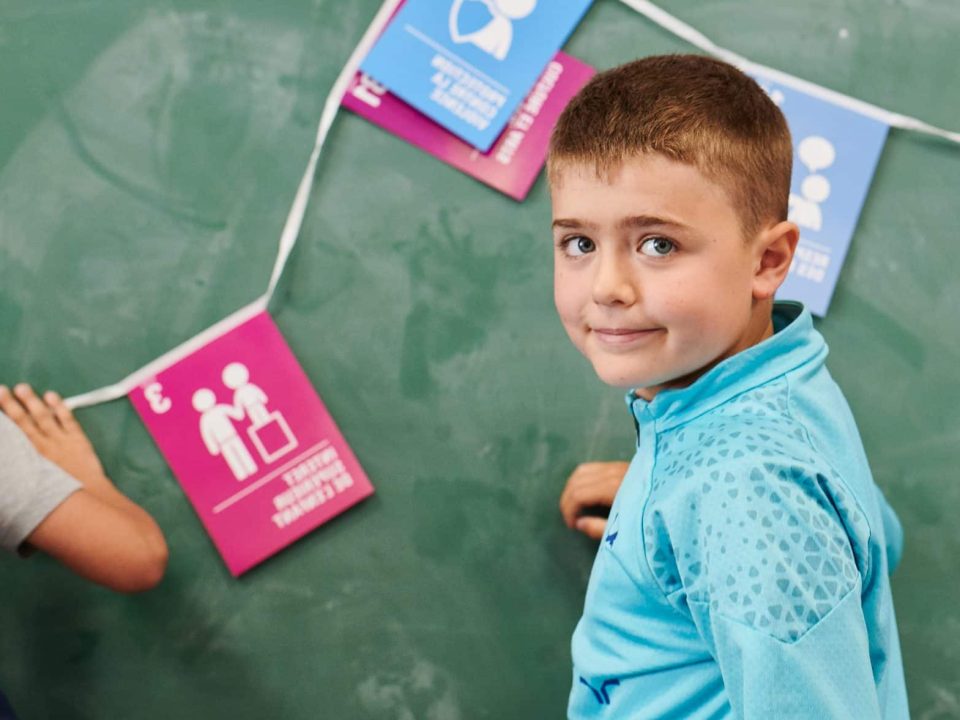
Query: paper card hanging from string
{"x": 251, "y": 442}
{"x": 468, "y": 64}
{"x": 515, "y": 159}
{"x": 836, "y": 151}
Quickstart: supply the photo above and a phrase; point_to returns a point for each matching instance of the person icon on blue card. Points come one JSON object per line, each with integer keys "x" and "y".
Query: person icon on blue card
{"x": 468, "y": 64}
{"x": 494, "y": 37}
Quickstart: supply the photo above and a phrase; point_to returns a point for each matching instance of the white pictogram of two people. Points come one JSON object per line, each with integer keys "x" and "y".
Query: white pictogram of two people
{"x": 217, "y": 428}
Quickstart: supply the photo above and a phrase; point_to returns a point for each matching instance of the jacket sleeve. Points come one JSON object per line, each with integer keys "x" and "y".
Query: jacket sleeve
{"x": 824, "y": 674}
{"x": 766, "y": 561}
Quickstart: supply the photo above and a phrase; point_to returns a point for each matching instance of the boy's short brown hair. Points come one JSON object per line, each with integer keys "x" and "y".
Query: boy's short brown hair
{"x": 692, "y": 109}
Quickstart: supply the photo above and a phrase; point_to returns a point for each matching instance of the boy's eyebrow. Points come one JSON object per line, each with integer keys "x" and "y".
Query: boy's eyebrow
{"x": 630, "y": 222}
{"x": 644, "y": 221}
{"x": 573, "y": 223}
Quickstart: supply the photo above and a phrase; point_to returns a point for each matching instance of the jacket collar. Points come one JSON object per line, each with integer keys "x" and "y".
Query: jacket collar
{"x": 794, "y": 342}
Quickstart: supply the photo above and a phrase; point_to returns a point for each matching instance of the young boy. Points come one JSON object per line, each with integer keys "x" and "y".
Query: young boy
{"x": 56, "y": 498}
{"x": 743, "y": 570}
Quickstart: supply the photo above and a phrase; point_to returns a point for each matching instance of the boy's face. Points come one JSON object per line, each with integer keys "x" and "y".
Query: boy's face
{"x": 653, "y": 279}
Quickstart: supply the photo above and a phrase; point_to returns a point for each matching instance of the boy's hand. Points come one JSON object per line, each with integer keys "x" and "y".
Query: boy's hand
{"x": 591, "y": 484}
{"x": 53, "y": 431}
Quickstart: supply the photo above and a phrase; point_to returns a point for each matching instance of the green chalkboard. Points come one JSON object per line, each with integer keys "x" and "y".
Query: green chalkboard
{"x": 149, "y": 153}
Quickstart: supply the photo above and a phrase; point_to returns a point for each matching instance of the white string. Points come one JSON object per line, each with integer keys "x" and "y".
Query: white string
{"x": 697, "y": 39}
{"x": 118, "y": 390}
{"x": 288, "y": 237}
{"x": 291, "y": 229}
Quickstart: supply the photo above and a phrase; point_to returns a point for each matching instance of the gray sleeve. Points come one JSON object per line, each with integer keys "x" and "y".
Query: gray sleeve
{"x": 31, "y": 486}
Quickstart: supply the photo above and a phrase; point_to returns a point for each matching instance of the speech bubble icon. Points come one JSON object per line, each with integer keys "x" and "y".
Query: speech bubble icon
{"x": 815, "y": 188}
{"x": 816, "y": 152}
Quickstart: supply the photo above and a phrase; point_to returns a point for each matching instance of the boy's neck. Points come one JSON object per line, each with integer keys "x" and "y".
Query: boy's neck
{"x": 757, "y": 330}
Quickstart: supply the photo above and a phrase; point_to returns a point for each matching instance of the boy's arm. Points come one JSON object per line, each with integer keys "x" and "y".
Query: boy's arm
{"x": 96, "y": 531}
{"x": 826, "y": 673}
{"x": 772, "y": 578}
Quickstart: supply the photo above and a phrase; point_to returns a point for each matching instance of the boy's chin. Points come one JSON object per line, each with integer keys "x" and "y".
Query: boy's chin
{"x": 648, "y": 381}
{"x": 646, "y": 385}
{"x": 625, "y": 380}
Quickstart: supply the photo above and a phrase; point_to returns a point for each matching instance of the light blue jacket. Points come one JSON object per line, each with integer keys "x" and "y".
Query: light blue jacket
{"x": 745, "y": 566}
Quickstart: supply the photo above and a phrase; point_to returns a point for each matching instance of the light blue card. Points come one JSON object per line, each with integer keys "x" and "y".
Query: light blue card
{"x": 468, "y": 64}
{"x": 835, "y": 154}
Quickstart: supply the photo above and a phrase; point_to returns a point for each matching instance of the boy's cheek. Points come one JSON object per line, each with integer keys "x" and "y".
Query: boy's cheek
{"x": 564, "y": 298}
{"x": 574, "y": 332}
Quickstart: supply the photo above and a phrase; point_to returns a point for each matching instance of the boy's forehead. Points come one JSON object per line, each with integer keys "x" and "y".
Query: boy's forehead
{"x": 565, "y": 170}
{"x": 649, "y": 184}
{"x": 577, "y": 185}
{"x": 608, "y": 172}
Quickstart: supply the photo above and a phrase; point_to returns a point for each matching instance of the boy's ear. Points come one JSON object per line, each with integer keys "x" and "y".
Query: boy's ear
{"x": 775, "y": 248}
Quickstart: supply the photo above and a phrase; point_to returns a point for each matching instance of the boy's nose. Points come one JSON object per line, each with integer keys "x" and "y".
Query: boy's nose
{"x": 613, "y": 283}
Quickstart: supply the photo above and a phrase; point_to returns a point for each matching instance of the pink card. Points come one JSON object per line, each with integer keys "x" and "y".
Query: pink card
{"x": 251, "y": 442}
{"x": 515, "y": 159}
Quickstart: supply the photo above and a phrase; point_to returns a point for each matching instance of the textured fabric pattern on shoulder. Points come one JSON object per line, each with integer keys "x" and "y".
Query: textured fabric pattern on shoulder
{"x": 744, "y": 520}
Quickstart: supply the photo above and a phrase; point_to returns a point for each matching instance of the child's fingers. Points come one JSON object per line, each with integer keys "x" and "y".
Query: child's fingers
{"x": 580, "y": 493}
{"x": 60, "y": 410}
{"x": 569, "y": 502}
{"x": 580, "y": 497}
{"x": 589, "y": 485}
{"x": 572, "y": 499}
{"x": 38, "y": 410}
{"x": 16, "y": 412}
{"x": 592, "y": 526}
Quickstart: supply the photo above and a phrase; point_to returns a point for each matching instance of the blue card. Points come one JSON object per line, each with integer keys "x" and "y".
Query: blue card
{"x": 835, "y": 154}
{"x": 468, "y": 64}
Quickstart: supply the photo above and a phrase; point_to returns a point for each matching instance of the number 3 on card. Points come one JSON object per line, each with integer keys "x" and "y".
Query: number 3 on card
{"x": 158, "y": 402}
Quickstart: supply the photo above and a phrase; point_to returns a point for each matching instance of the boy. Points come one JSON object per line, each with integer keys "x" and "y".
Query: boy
{"x": 743, "y": 570}
{"x": 56, "y": 498}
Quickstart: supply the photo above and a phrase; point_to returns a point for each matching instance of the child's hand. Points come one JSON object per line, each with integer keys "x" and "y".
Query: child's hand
{"x": 53, "y": 431}
{"x": 591, "y": 484}
{"x": 97, "y": 531}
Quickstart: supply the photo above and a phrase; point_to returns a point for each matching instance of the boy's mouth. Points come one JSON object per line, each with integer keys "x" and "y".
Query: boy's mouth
{"x": 622, "y": 336}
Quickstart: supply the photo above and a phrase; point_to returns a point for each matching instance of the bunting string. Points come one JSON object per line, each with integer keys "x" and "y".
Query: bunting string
{"x": 696, "y": 38}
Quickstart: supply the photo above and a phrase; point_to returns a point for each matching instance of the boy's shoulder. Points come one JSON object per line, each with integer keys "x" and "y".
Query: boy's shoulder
{"x": 750, "y": 450}
{"x": 746, "y": 517}
{"x": 749, "y": 430}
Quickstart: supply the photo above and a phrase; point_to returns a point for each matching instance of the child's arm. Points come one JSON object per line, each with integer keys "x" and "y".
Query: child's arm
{"x": 97, "y": 532}
{"x": 826, "y": 673}
{"x": 590, "y": 485}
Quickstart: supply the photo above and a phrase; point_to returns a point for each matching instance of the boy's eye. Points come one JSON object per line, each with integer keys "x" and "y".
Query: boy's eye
{"x": 579, "y": 245}
{"x": 657, "y": 246}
